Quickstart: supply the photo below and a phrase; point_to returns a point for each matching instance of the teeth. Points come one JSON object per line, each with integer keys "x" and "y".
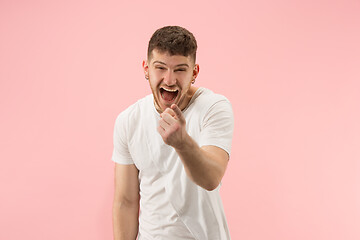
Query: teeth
{"x": 169, "y": 90}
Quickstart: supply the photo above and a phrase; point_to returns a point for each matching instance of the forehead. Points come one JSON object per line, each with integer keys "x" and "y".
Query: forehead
{"x": 168, "y": 59}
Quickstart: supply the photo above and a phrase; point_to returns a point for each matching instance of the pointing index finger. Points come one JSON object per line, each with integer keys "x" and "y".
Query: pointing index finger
{"x": 178, "y": 112}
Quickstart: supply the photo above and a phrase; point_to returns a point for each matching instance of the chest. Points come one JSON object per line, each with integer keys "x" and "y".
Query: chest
{"x": 148, "y": 149}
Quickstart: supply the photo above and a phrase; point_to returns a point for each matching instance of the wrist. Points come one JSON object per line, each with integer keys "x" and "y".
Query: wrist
{"x": 186, "y": 144}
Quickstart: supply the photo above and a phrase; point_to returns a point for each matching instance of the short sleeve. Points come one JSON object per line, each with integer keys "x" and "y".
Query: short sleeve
{"x": 121, "y": 152}
{"x": 218, "y": 126}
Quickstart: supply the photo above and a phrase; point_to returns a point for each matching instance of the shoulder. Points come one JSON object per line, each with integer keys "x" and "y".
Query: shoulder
{"x": 134, "y": 111}
{"x": 206, "y": 95}
{"x": 136, "y": 107}
{"x": 207, "y": 99}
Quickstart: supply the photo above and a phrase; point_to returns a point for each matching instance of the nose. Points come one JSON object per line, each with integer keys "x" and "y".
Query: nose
{"x": 169, "y": 78}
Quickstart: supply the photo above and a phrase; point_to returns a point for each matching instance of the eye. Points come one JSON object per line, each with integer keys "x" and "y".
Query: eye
{"x": 160, "y": 68}
{"x": 180, "y": 70}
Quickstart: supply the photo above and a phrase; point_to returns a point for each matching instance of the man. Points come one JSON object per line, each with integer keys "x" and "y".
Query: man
{"x": 171, "y": 150}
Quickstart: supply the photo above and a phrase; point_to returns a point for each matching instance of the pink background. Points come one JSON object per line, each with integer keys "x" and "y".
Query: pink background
{"x": 290, "y": 68}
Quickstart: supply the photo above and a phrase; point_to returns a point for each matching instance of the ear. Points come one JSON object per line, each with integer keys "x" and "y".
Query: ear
{"x": 146, "y": 68}
{"x": 196, "y": 71}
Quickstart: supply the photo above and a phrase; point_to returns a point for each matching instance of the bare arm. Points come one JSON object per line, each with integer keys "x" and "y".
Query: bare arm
{"x": 126, "y": 202}
{"x": 206, "y": 165}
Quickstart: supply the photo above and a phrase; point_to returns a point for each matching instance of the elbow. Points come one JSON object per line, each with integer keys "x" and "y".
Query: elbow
{"x": 124, "y": 202}
{"x": 211, "y": 186}
{"x": 213, "y": 182}
{"x": 210, "y": 189}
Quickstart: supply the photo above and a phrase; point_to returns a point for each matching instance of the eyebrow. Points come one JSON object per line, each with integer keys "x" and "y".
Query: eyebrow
{"x": 179, "y": 65}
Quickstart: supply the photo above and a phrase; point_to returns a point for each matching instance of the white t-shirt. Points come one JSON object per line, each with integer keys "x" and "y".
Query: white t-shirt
{"x": 171, "y": 205}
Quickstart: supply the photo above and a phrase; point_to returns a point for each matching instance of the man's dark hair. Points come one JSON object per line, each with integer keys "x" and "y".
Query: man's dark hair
{"x": 175, "y": 40}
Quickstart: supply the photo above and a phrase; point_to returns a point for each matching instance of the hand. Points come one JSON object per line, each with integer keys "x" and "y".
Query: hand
{"x": 172, "y": 127}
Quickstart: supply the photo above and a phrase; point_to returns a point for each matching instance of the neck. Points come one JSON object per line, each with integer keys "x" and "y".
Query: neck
{"x": 188, "y": 97}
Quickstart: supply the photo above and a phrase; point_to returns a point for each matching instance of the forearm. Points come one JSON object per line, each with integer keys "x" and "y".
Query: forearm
{"x": 125, "y": 221}
{"x": 201, "y": 166}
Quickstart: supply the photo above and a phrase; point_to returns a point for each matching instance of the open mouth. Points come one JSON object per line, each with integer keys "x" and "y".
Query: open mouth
{"x": 168, "y": 94}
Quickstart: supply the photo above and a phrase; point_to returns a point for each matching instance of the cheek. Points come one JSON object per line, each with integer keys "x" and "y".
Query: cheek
{"x": 185, "y": 79}
{"x": 154, "y": 78}
{"x": 157, "y": 74}
{"x": 183, "y": 76}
